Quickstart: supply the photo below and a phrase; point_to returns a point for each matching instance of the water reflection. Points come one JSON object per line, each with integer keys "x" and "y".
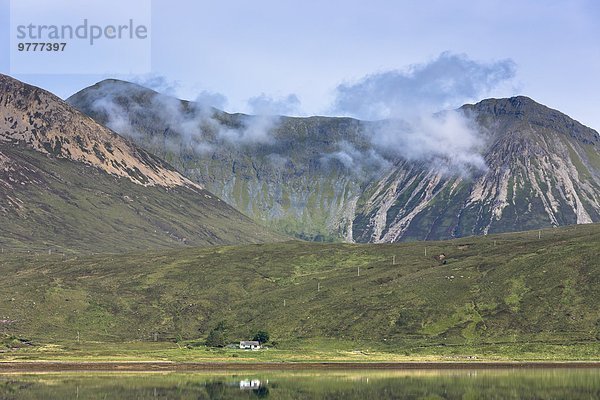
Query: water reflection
{"x": 425, "y": 384}
{"x": 222, "y": 389}
{"x": 251, "y": 384}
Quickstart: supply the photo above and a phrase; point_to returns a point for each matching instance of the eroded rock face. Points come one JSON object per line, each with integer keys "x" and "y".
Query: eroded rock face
{"x": 43, "y": 122}
{"x": 543, "y": 170}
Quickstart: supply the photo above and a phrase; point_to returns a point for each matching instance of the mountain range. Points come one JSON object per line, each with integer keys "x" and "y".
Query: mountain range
{"x": 316, "y": 178}
{"x": 325, "y": 179}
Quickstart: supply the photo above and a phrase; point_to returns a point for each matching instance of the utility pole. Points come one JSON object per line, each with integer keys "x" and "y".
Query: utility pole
{"x": 539, "y": 234}
{"x": 425, "y": 251}
{"x": 394, "y": 259}
{"x": 358, "y": 271}
{"x": 284, "y": 302}
{"x": 318, "y": 286}
{"x": 78, "y": 337}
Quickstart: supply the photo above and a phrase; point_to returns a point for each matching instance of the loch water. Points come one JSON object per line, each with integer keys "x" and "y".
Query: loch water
{"x": 562, "y": 383}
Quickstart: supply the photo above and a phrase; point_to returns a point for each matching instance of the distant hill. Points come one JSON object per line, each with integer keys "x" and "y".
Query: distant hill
{"x": 68, "y": 183}
{"x": 543, "y": 168}
{"x": 509, "y": 288}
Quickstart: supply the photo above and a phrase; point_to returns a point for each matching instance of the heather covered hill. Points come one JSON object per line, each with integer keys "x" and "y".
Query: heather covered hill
{"x": 517, "y": 289}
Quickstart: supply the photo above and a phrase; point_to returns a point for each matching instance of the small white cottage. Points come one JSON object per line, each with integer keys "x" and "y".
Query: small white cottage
{"x": 249, "y": 345}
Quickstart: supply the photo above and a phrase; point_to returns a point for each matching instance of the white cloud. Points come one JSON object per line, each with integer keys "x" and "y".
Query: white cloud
{"x": 357, "y": 161}
{"x": 405, "y": 103}
{"x": 448, "y": 141}
{"x": 158, "y": 83}
{"x": 267, "y": 105}
{"x": 446, "y": 82}
{"x": 255, "y": 130}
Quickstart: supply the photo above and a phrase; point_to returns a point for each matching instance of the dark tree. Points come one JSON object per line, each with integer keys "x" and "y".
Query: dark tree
{"x": 262, "y": 337}
{"x": 216, "y": 338}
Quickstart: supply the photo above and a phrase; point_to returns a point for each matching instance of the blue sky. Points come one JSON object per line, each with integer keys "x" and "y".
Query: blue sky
{"x": 298, "y": 57}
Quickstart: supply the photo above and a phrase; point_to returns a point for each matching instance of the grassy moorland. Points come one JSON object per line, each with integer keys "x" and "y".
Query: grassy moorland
{"x": 510, "y": 296}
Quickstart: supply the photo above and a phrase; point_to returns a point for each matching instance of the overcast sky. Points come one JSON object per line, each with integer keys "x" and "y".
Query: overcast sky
{"x": 339, "y": 57}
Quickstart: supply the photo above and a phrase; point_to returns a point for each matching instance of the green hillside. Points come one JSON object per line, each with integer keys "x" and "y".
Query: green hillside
{"x": 60, "y": 205}
{"x": 508, "y": 288}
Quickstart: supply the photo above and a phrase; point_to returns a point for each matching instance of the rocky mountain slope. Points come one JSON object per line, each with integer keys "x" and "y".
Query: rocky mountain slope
{"x": 40, "y": 121}
{"x": 543, "y": 170}
{"x": 67, "y": 182}
{"x": 283, "y": 181}
{"x": 302, "y": 176}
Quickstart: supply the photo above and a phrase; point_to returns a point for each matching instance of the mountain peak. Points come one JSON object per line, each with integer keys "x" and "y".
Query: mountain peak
{"x": 118, "y": 86}
{"x": 516, "y": 104}
{"x": 524, "y": 109}
{"x": 37, "y": 119}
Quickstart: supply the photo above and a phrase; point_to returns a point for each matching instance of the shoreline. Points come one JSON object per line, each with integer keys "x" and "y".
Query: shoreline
{"x": 166, "y": 366}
